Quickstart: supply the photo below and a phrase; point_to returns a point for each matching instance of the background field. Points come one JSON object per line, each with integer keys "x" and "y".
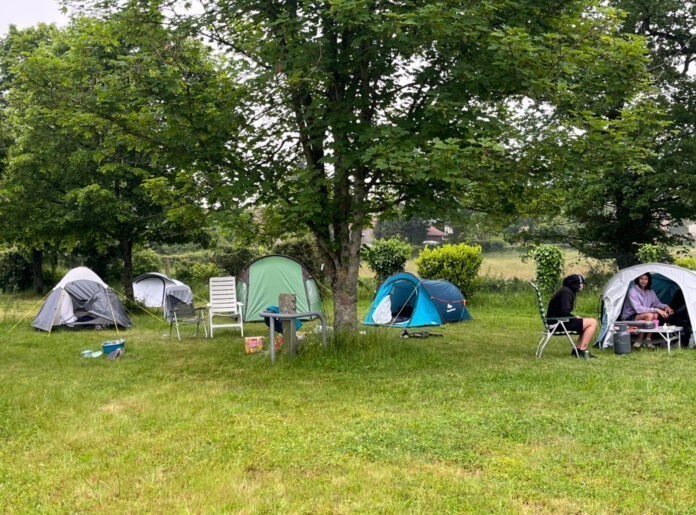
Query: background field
{"x": 466, "y": 422}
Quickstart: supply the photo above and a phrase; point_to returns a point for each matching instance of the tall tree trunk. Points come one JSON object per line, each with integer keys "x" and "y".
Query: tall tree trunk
{"x": 37, "y": 270}
{"x": 343, "y": 274}
{"x": 127, "y": 254}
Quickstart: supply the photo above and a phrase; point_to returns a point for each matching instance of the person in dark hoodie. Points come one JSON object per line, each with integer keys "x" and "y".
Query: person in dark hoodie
{"x": 562, "y": 304}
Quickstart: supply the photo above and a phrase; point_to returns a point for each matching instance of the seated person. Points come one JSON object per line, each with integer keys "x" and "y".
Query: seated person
{"x": 642, "y": 303}
{"x": 680, "y": 315}
{"x": 561, "y": 305}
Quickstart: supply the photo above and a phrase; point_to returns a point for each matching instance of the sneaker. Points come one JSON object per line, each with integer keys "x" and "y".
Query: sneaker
{"x": 581, "y": 354}
{"x": 636, "y": 344}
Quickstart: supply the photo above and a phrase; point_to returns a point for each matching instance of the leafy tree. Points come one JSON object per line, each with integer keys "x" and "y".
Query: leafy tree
{"x": 649, "y": 253}
{"x": 100, "y": 116}
{"x": 623, "y": 199}
{"x": 354, "y": 108}
{"x": 414, "y": 229}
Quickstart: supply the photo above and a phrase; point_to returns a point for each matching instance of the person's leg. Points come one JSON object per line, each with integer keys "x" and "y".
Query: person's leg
{"x": 589, "y": 325}
{"x": 641, "y": 336}
{"x": 645, "y": 316}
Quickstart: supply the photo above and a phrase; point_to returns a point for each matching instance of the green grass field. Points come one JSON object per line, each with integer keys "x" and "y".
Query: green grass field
{"x": 469, "y": 422}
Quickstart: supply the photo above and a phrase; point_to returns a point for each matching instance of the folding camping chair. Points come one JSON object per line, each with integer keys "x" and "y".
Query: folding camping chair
{"x": 179, "y": 309}
{"x": 552, "y": 326}
{"x": 223, "y": 304}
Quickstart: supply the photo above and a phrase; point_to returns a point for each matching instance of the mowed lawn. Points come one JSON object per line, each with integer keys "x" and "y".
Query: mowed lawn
{"x": 466, "y": 422}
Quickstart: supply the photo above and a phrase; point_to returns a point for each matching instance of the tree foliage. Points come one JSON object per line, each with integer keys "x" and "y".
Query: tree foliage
{"x": 100, "y": 113}
{"x": 549, "y": 263}
{"x": 353, "y": 108}
{"x": 413, "y": 229}
{"x": 640, "y": 180}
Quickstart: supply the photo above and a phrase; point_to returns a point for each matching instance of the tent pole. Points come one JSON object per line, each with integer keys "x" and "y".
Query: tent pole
{"x": 113, "y": 315}
{"x": 404, "y": 305}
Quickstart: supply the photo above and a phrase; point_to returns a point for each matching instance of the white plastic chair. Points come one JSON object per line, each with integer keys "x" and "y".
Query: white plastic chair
{"x": 223, "y": 304}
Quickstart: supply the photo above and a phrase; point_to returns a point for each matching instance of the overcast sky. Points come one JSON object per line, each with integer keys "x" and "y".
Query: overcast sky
{"x": 25, "y": 13}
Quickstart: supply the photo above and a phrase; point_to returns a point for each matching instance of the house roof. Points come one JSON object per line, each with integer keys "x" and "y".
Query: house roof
{"x": 434, "y": 231}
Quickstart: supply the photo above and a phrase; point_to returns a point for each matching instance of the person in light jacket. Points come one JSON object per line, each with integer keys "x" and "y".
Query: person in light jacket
{"x": 642, "y": 303}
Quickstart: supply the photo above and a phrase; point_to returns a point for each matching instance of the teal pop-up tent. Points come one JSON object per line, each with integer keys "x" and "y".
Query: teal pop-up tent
{"x": 404, "y": 300}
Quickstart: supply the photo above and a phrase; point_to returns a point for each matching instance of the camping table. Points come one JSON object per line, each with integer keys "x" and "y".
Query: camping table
{"x": 292, "y": 316}
{"x": 667, "y": 332}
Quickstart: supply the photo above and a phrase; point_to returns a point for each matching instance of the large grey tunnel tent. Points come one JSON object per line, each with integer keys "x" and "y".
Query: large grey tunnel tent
{"x": 81, "y": 299}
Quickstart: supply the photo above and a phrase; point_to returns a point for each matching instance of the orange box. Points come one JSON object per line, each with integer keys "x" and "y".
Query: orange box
{"x": 253, "y": 344}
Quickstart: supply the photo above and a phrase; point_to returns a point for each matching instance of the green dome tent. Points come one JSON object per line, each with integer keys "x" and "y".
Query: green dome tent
{"x": 260, "y": 283}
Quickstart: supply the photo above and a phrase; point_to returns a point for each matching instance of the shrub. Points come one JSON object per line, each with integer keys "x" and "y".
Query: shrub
{"x": 686, "y": 262}
{"x": 146, "y": 260}
{"x": 233, "y": 259}
{"x": 305, "y": 250}
{"x": 191, "y": 272}
{"x": 458, "y": 264}
{"x": 15, "y": 271}
{"x": 387, "y": 257}
{"x": 549, "y": 266}
{"x": 649, "y": 253}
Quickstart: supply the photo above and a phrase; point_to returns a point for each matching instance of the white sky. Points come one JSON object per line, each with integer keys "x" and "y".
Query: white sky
{"x": 26, "y": 13}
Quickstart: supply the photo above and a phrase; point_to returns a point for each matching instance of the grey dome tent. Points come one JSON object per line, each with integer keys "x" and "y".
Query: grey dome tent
{"x": 149, "y": 288}
{"x": 81, "y": 299}
{"x": 670, "y": 283}
{"x": 260, "y": 283}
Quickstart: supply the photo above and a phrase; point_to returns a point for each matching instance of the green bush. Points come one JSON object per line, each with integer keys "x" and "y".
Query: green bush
{"x": 305, "y": 250}
{"x": 204, "y": 271}
{"x": 191, "y": 272}
{"x": 232, "y": 259}
{"x": 686, "y": 262}
{"x": 649, "y": 253}
{"x": 15, "y": 271}
{"x": 458, "y": 264}
{"x": 387, "y": 256}
{"x": 549, "y": 266}
{"x": 146, "y": 260}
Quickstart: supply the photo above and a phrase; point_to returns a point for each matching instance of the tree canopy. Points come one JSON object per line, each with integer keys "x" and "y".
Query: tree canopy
{"x": 357, "y": 107}
{"x": 101, "y": 112}
{"x": 333, "y": 113}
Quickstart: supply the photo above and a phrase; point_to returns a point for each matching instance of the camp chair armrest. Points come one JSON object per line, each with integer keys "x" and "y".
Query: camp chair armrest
{"x": 560, "y": 319}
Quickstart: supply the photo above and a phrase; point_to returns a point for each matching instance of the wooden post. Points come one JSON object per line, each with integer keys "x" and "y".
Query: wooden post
{"x": 287, "y": 303}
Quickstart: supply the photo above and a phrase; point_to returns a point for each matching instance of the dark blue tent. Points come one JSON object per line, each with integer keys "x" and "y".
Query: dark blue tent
{"x": 404, "y": 300}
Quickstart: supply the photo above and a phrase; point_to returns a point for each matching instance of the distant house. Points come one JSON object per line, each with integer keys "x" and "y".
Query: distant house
{"x": 434, "y": 236}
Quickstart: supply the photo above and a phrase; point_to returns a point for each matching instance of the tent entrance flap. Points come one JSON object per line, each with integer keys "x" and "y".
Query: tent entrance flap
{"x": 403, "y": 297}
